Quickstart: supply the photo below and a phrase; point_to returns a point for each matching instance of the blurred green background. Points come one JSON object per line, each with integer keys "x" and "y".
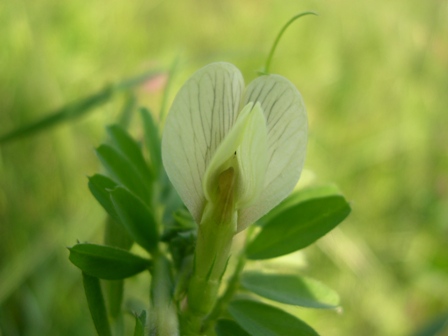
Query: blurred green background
{"x": 374, "y": 77}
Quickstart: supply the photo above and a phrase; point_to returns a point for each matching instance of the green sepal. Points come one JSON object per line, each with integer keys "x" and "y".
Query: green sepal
{"x": 131, "y": 150}
{"x": 152, "y": 140}
{"x": 95, "y": 301}
{"x": 140, "y": 322}
{"x": 226, "y": 327}
{"x": 122, "y": 170}
{"x": 107, "y": 262}
{"x": 137, "y": 218}
{"x": 298, "y": 226}
{"x": 291, "y": 289}
{"x": 261, "y": 319}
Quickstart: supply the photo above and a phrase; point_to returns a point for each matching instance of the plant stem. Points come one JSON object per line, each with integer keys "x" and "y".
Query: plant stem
{"x": 215, "y": 234}
{"x": 164, "y": 316}
{"x": 222, "y": 302}
{"x": 232, "y": 286}
{"x": 211, "y": 256}
{"x": 274, "y": 46}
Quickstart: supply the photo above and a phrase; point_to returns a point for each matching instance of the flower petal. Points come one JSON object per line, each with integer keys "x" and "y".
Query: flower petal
{"x": 252, "y": 157}
{"x": 287, "y": 130}
{"x": 202, "y": 114}
{"x": 224, "y": 155}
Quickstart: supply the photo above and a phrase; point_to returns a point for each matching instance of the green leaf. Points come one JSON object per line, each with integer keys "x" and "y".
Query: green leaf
{"x": 114, "y": 294}
{"x": 291, "y": 289}
{"x": 300, "y": 196}
{"x": 184, "y": 220}
{"x": 435, "y": 327}
{"x": 127, "y": 111}
{"x": 229, "y": 328}
{"x": 99, "y": 186}
{"x": 121, "y": 169}
{"x": 152, "y": 140}
{"x": 298, "y": 227}
{"x": 174, "y": 67}
{"x": 78, "y": 108}
{"x": 96, "y": 304}
{"x": 106, "y": 262}
{"x": 115, "y": 234}
{"x": 261, "y": 319}
{"x": 136, "y": 217}
{"x": 65, "y": 113}
{"x": 131, "y": 150}
{"x": 140, "y": 322}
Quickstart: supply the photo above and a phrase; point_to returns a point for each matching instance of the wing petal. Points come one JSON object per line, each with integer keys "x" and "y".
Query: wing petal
{"x": 287, "y": 130}
{"x": 252, "y": 159}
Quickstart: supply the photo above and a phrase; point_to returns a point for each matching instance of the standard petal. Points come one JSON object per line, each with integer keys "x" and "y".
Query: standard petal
{"x": 202, "y": 114}
{"x": 287, "y": 129}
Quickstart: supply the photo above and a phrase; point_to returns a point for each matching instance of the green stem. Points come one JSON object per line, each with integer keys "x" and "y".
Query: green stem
{"x": 172, "y": 71}
{"x": 215, "y": 235}
{"x": 211, "y": 257}
{"x": 274, "y": 46}
{"x": 232, "y": 286}
{"x": 222, "y": 302}
{"x": 164, "y": 315}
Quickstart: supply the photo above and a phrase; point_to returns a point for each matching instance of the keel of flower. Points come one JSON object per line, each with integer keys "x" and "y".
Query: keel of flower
{"x": 226, "y": 200}
{"x": 244, "y": 150}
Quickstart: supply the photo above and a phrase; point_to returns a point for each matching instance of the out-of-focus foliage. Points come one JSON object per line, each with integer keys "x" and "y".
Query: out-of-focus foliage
{"x": 374, "y": 77}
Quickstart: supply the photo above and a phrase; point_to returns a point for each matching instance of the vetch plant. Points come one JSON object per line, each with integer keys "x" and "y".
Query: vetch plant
{"x": 232, "y": 153}
{"x": 229, "y": 155}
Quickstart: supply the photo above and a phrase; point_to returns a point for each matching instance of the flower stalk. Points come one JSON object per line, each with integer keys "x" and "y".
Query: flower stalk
{"x": 215, "y": 235}
{"x": 164, "y": 315}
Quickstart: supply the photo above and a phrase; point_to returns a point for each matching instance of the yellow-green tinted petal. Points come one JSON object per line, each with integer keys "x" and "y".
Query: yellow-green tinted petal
{"x": 252, "y": 157}
{"x": 287, "y": 129}
{"x": 224, "y": 155}
{"x": 203, "y": 112}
